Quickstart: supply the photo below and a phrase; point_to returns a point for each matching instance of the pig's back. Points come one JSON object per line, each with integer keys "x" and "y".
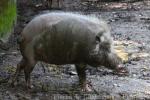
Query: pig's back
{"x": 43, "y": 22}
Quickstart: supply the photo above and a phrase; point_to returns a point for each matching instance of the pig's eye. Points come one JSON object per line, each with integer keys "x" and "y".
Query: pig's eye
{"x": 98, "y": 40}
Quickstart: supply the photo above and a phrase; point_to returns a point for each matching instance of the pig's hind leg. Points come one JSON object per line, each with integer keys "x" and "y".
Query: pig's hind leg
{"x": 21, "y": 65}
{"x": 27, "y": 71}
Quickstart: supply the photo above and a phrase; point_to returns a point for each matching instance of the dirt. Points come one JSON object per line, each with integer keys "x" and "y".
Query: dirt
{"x": 130, "y": 24}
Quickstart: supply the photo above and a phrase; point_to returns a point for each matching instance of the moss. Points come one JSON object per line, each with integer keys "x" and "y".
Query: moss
{"x": 7, "y": 17}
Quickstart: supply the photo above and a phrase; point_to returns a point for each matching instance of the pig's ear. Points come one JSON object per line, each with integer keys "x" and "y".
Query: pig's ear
{"x": 97, "y": 38}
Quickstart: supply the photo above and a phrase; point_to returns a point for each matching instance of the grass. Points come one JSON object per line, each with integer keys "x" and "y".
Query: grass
{"x": 7, "y": 19}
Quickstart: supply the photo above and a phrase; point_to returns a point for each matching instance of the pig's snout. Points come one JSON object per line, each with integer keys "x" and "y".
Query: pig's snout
{"x": 115, "y": 63}
{"x": 120, "y": 70}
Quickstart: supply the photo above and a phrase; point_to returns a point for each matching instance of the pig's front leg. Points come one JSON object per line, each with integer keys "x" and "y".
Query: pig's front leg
{"x": 80, "y": 68}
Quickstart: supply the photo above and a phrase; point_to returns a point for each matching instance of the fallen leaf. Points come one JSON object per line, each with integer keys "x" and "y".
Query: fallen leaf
{"x": 121, "y": 53}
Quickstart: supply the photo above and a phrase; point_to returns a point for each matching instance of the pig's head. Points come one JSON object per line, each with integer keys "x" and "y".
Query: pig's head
{"x": 105, "y": 55}
{"x": 108, "y": 58}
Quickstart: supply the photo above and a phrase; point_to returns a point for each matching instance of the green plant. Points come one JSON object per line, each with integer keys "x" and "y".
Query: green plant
{"x": 7, "y": 17}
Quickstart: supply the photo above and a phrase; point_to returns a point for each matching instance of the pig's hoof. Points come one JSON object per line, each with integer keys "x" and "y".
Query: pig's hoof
{"x": 29, "y": 87}
{"x": 87, "y": 88}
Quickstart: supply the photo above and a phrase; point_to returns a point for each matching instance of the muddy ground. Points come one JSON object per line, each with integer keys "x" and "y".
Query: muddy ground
{"x": 130, "y": 23}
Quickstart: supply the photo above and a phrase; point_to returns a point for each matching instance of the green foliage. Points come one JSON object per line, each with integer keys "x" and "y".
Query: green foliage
{"x": 7, "y": 17}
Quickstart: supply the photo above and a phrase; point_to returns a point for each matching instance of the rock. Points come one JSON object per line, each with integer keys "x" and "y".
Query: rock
{"x": 72, "y": 73}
